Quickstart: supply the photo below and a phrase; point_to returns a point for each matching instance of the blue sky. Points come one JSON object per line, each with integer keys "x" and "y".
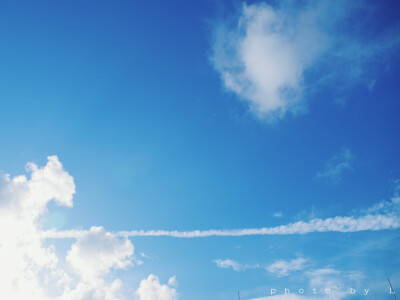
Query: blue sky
{"x": 183, "y": 116}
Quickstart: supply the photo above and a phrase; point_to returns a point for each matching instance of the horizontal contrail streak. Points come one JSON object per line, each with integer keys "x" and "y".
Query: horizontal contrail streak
{"x": 336, "y": 224}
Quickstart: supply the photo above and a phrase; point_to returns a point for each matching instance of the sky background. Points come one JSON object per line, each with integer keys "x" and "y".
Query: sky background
{"x": 198, "y": 115}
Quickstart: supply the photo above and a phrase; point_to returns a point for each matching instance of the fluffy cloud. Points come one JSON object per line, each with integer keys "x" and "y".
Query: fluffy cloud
{"x": 263, "y": 59}
{"x": 151, "y": 289}
{"x": 28, "y": 267}
{"x": 271, "y": 56}
{"x": 283, "y": 268}
{"x": 31, "y": 268}
{"x": 94, "y": 254}
{"x": 337, "y": 165}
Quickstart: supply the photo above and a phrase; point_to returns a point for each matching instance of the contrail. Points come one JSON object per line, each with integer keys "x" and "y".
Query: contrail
{"x": 336, "y": 224}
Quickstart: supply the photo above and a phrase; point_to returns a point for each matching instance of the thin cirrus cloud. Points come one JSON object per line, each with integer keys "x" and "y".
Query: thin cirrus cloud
{"x": 274, "y": 57}
{"x": 279, "y": 268}
{"x": 236, "y": 266}
{"x": 336, "y": 166}
{"x": 381, "y": 216}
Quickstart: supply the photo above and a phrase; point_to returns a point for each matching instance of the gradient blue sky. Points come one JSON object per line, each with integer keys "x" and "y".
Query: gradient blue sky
{"x": 131, "y": 97}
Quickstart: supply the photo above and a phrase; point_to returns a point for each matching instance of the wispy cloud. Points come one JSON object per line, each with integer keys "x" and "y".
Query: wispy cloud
{"x": 336, "y": 224}
{"x": 339, "y": 163}
{"x": 236, "y": 266}
{"x": 273, "y": 56}
{"x": 383, "y": 215}
{"x": 228, "y": 263}
{"x": 279, "y": 268}
{"x": 319, "y": 280}
{"x": 282, "y": 268}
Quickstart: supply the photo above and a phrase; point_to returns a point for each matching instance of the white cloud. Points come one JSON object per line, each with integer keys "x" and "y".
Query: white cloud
{"x": 337, "y": 165}
{"x": 319, "y": 281}
{"x": 228, "y": 263}
{"x": 31, "y": 269}
{"x": 94, "y": 254}
{"x": 337, "y": 281}
{"x": 92, "y": 257}
{"x": 273, "y": 56}
{"x": 151, "y": 289}
{"x": 387, "y": 207}
{"x": 28, "y": 267}
{"x": 282, "y": 268}
{"x": 370, "y": 221}
{"x": 236, "y": 266}
{"x": 263, "y": 59}
{"x": 173, "y": 282}
{"x": 279, "y": 268}
{"x": 277, "y": 214}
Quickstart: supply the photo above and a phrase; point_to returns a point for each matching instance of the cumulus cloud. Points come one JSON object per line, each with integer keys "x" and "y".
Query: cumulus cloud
{"x": 151, "y": 289}
{"x": 31, "y": 268}
{"x": 98, "y": 251}
{"x": 94, "y": 255}
{"x": 335, "y": 167}
{"x": 273, "y": 56}
{"x": 28, "y": 267}
{"x": 282, "y": 268}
